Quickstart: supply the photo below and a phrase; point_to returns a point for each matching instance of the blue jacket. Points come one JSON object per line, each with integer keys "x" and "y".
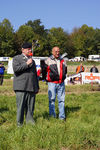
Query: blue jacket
{"x": 2, "y": 69}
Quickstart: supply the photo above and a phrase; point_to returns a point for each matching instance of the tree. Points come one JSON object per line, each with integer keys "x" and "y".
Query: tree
{"x": 24, "y": 34}
{"x": 6, "y": 38}
{"x": 78, "y": 38}
{"x": 89, "y": 42}
{"x": 37, "y": 27}
{"x": 97, "y": 41}
{"x": 83, "y": 40}
{"x": 40, "y": 35}
{"x": 58, "y": 37}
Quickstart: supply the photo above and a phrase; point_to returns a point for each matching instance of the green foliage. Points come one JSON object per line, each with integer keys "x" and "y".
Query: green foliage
{"x": 37, "y": 27}
{"x": 7, "y": 76}
{"x": 82, "y": 41}
{"x": 6, "y": 38}
{"x": 58, "y": 38}
{"x": 25, "y": 34}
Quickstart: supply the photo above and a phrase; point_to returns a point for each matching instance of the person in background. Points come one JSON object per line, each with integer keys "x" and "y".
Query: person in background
{"x": 87, "y": 69}
{"x": 80, "y": 68}
{"x": 94, "y": 69}
{"x": 56, "y": 73}
{"x": 2, "y": 69}
{"x": 25, "y": 84}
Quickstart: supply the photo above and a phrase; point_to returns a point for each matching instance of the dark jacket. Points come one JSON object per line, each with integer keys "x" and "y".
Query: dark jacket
{"x": 53, "y": 74}
{"x": 25, "y": 77}
{"x": 94, "y": 70}
{"x": 2, "y": 69}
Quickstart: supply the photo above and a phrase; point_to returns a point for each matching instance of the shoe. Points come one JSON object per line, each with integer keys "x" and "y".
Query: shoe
{"x": 62, "y": 119}
{"x": 31, "y": 122}
{"x": 19, "y": 125}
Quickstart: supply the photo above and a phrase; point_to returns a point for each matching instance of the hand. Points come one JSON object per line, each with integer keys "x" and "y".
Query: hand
{"x": 29, "y": 61}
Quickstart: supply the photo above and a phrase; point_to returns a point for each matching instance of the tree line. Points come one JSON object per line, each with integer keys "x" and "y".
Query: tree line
{"x": 81, "y": 41}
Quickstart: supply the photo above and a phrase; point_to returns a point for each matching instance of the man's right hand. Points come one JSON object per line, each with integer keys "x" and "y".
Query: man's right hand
{"x": 29, "y": 61}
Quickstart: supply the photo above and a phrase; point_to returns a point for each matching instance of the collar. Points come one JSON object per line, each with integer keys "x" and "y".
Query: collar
{"x": 26, "y": 56}
{"x": 53, "y": 58}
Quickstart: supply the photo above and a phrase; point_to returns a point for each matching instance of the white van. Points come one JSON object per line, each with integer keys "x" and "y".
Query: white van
{"x": 94, "y": 58}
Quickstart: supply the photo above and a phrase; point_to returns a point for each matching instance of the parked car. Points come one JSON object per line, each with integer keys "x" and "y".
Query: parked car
{"x": 80, "y": 58}
{"x": 94, "y": 58}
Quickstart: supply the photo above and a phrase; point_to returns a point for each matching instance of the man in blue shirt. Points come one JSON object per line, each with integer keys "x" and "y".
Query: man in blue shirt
{"x": 2, "y": 69}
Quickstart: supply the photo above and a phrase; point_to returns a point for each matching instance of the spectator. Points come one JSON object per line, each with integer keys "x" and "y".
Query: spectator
{"x": 94, "y": 69}
{"x": 80, "y": 68}
{"x": 25, "y": 84}
{"x": 2, "y": 69}
{"x": 56, "y": 73}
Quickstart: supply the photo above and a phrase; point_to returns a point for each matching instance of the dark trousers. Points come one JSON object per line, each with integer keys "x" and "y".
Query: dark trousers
{"x": 25, "y": 104}
{"x": 1, "y": 79}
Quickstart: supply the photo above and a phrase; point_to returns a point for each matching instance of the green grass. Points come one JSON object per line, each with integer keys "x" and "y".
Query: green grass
{"x": 80, "y": 131}
{"x": 7, "y": 76}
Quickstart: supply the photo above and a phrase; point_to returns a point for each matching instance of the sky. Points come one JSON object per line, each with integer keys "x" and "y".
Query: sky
{"x": 67, "y": 14}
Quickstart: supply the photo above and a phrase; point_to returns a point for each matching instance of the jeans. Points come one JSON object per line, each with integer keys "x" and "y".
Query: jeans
{"x": 59, "y": 90}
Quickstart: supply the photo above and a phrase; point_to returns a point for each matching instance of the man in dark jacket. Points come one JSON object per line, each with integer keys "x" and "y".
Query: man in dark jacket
{"x": 25, "y": 84}
{"x": 94, "y": 69}
{"x": 56, "y": 74}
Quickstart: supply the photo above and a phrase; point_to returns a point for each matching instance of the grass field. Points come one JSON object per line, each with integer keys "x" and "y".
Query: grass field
{"x": 80, "y": 131}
